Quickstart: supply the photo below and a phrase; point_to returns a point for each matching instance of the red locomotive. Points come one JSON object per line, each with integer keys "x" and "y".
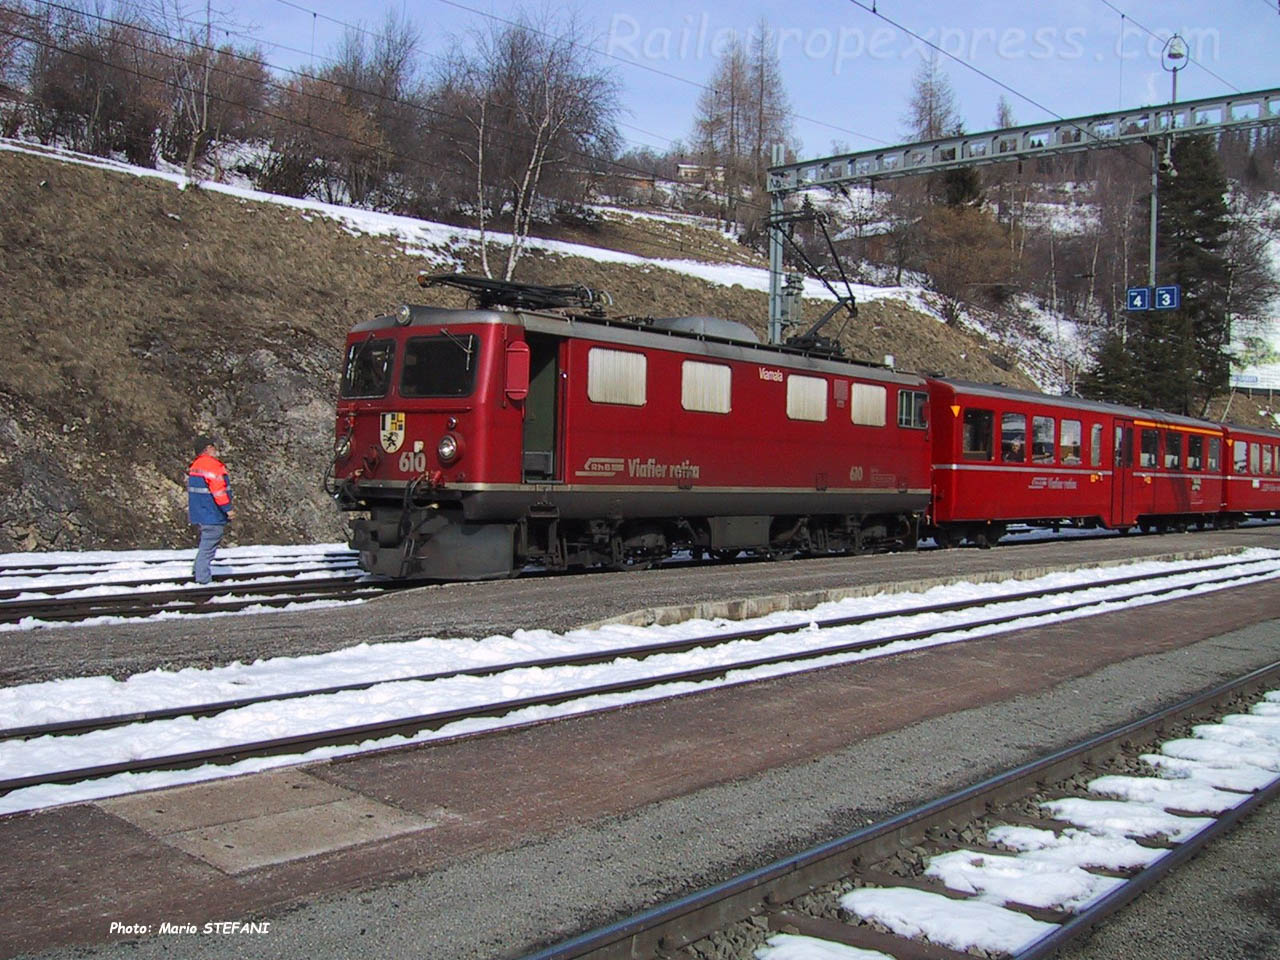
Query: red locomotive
{"x": 534, "y": 429}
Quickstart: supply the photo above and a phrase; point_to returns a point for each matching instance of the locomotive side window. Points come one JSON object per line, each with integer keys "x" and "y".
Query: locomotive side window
{"x": 1069, "y": 442}
{"x": 1042, "y": 431}
{"x": 367, "y": 372}
{"x": 868, "y": 407}
{"x": 1240, "y": 454}
{"x": 1255, "y": 449}
{"x": 1013, "y": 438}
{"x": 1172, "y": 450}
{"x": 1195, "y": 452}
{"x": 977, "y": 439}
{"x": 1149, "y": 454}
{"x": 806, "y": 398}
{"x": 1266, "y": 460}
{"x": 1095, "y": 445}
{"x": 443, "y": 366}
{"x": 1215, "y": 453}
{"x": 705, "y": 387}
{"x": 616, "y": 376}
{"x": 911, "y": 409}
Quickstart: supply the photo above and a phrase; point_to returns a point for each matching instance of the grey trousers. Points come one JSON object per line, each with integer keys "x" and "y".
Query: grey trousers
{"x": 210, "y": 536}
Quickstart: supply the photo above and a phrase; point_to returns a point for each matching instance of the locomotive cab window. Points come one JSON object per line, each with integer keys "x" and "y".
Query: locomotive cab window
{"x": 977, "y": 439}
{"x": 443, "y": 366}
{"x": 1042, "y": 437}
{"x": 616, "y": 376}
{"x": 1172, "y": 450}
{"x": 1069, "y": 442}
{"x": 1013, "y": 438}
{"x": 806, "y": 398}
{"x": 1149, "y": 454}
{"x": 1215, "y": 453}
{"x": 911, "y": 409}
{"x": 367, "y": 372}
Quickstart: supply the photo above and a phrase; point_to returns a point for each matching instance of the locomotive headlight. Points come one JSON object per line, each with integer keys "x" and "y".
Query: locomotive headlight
{"x": 448, "y": 448}
{"x": 404, "y": 314}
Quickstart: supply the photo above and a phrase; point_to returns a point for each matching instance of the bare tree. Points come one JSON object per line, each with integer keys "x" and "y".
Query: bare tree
{"x": 931, "y": 111}
{"x": 536, "y": 107}
{"x": 741, "y": 114}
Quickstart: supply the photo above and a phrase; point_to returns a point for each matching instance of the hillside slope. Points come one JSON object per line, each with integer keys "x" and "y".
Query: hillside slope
{"x": 137, "y": 314}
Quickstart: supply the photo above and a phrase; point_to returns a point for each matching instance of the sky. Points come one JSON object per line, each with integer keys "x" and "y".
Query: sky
{"x": 847, "y": 70}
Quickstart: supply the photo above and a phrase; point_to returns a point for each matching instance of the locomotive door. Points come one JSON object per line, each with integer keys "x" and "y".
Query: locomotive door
{"x": 541, "y": 410}
{"x": 1122, "y": 499}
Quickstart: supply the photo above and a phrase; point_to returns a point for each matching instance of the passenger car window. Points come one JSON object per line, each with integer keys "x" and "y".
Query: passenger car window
{"x": 1172, "y": 450}
{"x": 1095, "y": 445}
{"x": 1069, "y": 442}
{"x": 1215, "y": 453}
{"x": 1013, "y": 438}
{"x": 1240, "y": 456}
{"x": 1147, "y": 456}
{"x": 1195, "y": 452}
{"x": 976, "y": 438}
{"x": 1042, "y": 431}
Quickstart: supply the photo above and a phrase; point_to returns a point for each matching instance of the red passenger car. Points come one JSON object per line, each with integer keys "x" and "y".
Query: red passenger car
{"x": 1252, "y": 473}
{"x": 481, "y": 440}
{"x": 1003, "y": 455}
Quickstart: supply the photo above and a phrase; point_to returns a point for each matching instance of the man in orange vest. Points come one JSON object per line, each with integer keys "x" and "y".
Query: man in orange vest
{"x": 208, "y": 503}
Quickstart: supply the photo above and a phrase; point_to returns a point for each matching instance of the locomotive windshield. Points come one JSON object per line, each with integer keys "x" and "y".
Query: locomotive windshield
{"x": 443, "y": 366}
{"x": 367, "y": 372}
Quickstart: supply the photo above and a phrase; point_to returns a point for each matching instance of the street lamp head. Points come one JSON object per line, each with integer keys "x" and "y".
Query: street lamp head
{"x": 1174, "y": 53}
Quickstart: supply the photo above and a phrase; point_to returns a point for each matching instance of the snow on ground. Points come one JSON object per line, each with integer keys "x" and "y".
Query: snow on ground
{"x": 436, "y": 243}
{"x": 115, "y": 573}
{"x": 104, "y": 696}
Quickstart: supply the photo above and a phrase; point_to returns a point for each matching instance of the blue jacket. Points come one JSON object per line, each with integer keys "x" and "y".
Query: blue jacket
{"x": 208, "y": 491}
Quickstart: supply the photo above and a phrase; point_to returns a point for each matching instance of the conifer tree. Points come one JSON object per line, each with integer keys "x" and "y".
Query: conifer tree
{"x": 1177, "y": 360}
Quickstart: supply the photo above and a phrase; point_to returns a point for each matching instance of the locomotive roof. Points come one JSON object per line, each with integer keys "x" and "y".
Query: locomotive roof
{"x": 636, "y": 333}
{"x": 1077, "y": 403}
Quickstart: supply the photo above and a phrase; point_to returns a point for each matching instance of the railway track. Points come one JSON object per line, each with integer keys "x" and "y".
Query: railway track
{"x": 651, "y": 670}
{"x": 41, "y": 594}
{"x": 1016, "y": 866}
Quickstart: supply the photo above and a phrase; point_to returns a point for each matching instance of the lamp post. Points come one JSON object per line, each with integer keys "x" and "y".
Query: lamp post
{"x": 1173, "y": 57}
